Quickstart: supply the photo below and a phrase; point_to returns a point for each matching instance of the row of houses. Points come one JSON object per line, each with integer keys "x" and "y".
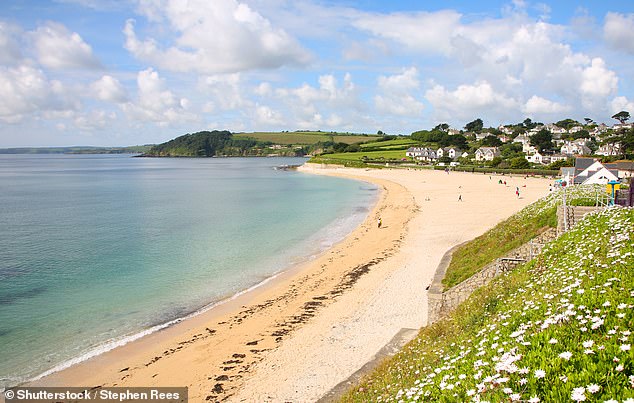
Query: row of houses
{"x": 430, "y": 154}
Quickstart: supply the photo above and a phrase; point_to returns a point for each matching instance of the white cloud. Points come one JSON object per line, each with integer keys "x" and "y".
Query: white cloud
{"x": 597, "y": 80}
{"x": 395, "y": 94}
{"x": 10, "y": 52}
{"x": 225, "y": 90}
{"x": 93, "y": 120}
{"x": 400, "y": 83}
{"x": 619, "y": 104}
{"x": 618, "y": 31}
{"x": 428, "y": 32}
{"x": 263, "y": 89}
{"x": 108, "y": 88}
{"x": 267, "y": 116}
{"x": 329, "y": 92}
{"x": 514, "y": 54}
{"x": 223, "y": 36}
{"x": 538, "y": 105}
{"x": 27, "y": 91}
{"x": 58, "y": 48}
{"x": 155, "y": 103}
{"x": 470, "y": 101}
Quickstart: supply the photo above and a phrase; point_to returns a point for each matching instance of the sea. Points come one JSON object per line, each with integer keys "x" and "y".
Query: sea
{"x": 98, "y": 250}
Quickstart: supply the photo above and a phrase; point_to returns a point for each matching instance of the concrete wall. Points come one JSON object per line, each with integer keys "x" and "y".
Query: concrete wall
{"x": 440, "y": 304}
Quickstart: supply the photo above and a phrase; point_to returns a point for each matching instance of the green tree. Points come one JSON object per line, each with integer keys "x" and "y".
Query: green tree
{"x": 622, "y": 116}
{"x": 581, "y": 134}
{"x": 474, "y": 126}
{"x": 567, "y": 123}
{"x": 458, "y": 140}
{"x": 443, "y": 126}
{"x": 511, "y": 150}
{"x": 519, "y": 163}
{"x": 570, "y": 162}
{"x": 528, "y": 124}
{"x": 542, "y": 140}
{"x": 495, "y": 161}
{"x": 491, "y": 141}
{"x": 445, "y": 159}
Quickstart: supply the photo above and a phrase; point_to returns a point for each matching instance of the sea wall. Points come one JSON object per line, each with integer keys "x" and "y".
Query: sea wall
{"x": 440, "y": 304}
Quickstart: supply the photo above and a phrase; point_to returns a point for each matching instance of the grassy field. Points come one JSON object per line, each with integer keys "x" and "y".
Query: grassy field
{"x": 372, "y": 155}
{"x": 306, "y": 138}
{"x": 403, "y": 143}
{"x": 557, "y": 329}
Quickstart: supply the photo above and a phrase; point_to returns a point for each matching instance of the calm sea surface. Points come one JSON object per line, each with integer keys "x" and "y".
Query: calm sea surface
{"x": 95, "y": 250}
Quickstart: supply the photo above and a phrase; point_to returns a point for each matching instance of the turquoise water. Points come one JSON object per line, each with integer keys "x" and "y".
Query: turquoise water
{"x": 97, "y": 249}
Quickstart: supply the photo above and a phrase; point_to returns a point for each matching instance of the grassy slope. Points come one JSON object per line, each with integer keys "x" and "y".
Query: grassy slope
{"x": 508, "y": 235}
{"x": 392, "y": 144}
{"x": 373, "y": 155}
{"x": 510, "y": 339}
{"x": 305, "y": 138}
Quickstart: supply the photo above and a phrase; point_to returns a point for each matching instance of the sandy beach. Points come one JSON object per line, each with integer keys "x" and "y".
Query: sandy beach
{"x": 299, "y": 335}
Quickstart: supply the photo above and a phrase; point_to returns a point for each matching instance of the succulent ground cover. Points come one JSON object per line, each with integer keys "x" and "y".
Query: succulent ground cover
{"x": 556, "y": 329}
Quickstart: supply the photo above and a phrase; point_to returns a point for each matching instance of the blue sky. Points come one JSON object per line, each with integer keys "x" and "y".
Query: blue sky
{"x": 126, "y": 72}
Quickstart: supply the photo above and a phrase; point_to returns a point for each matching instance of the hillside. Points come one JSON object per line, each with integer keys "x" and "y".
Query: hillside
{"x": 224, "y": 143}
{"x": 556, "y": 329}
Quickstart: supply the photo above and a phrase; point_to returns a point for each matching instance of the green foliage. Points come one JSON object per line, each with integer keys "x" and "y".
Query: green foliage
{"x": 519, "y": 163}
{"x": 491, "y": 141}
{"x": 557, "y": 329}
{"x": 441, "y": 138}
{"x": 511, "y": 150}
{"x": 201, "y": 144}
{"x": 622, "y": 116}
{"x": 542, "y": 140}
{"x": 570, "y": 162}
{"x": 474, "y": 126}
{"x": 495, "y": 161}
{"x": 529, "y": 124}
{"x": 567, "y": 123}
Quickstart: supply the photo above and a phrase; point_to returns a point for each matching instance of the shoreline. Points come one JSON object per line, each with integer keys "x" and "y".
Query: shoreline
{"x": 220, "y": 323}
{"x": 336, "y": 311}
{"x": 288, "y": 270}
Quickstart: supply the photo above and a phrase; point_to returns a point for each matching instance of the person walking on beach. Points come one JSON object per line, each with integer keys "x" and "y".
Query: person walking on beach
{"x": 379, "y": 222}
{"x": 460, "y": 197}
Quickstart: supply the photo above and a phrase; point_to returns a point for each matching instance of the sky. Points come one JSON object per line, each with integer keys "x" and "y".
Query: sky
{"x": 130, "y": 72}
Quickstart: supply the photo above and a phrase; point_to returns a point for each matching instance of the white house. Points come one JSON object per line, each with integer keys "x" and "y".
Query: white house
{"x": 609, "y": 149}
{"x": 574, "y": 148}
{"x": 535, "y": 158}
{"x": 625, "y": 169}
{"x": 600, "y": 177}
{"x": 450, "y": 152}
{"x": 505, "y": 129}
{"x": 421, "y": 153}
{"x": 486, "y": 153}
{"x": 554, "y": 129}
{"x": 591, "y": 171}
{"x": 621, "y": 126}
{"x": 558, "y": 157}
